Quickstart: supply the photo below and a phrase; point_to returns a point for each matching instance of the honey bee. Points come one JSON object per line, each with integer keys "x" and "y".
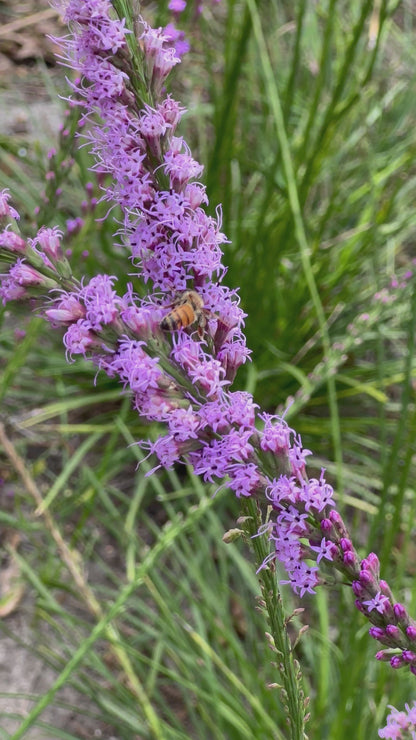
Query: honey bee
{"x": 187, "y": 310}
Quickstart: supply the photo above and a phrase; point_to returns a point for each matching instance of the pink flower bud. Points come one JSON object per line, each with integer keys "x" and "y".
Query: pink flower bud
{"x": 411, "y": 632}
{"x": 25, "y": 275}
{"x": 13, "y": 242}
{"x": 357, "y": 589}
{"x": 6, "y": 210}
{"x": 377, "y": 633}
{"x": 392, "y": 631}
{"x": 48, "y": 241}
{"x": 401, "y": 614}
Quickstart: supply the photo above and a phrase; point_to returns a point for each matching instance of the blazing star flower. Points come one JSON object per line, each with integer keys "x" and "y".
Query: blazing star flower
{"x": 179, "y": 372}
{"x": 10, "y": 290}
{"x": 177, "y": 6}
{"x": 178, "y": 38}
{"x": 400, "y": 725}
{"x": 6, "y": 211}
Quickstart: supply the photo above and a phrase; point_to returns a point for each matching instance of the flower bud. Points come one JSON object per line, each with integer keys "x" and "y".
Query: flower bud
{"x": 232, "y": 535}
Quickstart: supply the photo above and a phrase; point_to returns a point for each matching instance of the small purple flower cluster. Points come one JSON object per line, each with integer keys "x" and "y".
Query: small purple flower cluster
{"x": 175, "y": 35}
{"x": 182, "y": 377}
{"x": 400, "y": 725}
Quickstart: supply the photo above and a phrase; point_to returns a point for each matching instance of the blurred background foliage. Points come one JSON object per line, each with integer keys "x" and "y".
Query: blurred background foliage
{"x": 344, "y": 74}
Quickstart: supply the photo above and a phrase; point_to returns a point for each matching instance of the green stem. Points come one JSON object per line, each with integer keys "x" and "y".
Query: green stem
{"x": 294, "y": 66}
{"x": 227, "y": 101}
{"x": 304, "y": 249}
{"x": 403, "y": 441}
{"x": 292, "y": 695}
{"x": 320, "y": 80}
{"x": 343, "y": 76}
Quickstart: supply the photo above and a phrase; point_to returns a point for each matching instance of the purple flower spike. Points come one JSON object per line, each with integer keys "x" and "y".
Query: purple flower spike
{"x": 177, "y": 344}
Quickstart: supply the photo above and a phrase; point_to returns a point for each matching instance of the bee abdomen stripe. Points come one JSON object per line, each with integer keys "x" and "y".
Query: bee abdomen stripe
{"x": 188, "y": 315}
{"x": 179, "y": 317}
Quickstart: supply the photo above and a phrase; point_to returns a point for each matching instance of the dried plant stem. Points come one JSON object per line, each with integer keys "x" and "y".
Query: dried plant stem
{"x": 27, "y": 20}
{"x": 71, "y": 560}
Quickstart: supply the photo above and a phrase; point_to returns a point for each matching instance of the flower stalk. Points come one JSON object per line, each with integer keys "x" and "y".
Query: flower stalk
{"x": 291, "y": 691}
